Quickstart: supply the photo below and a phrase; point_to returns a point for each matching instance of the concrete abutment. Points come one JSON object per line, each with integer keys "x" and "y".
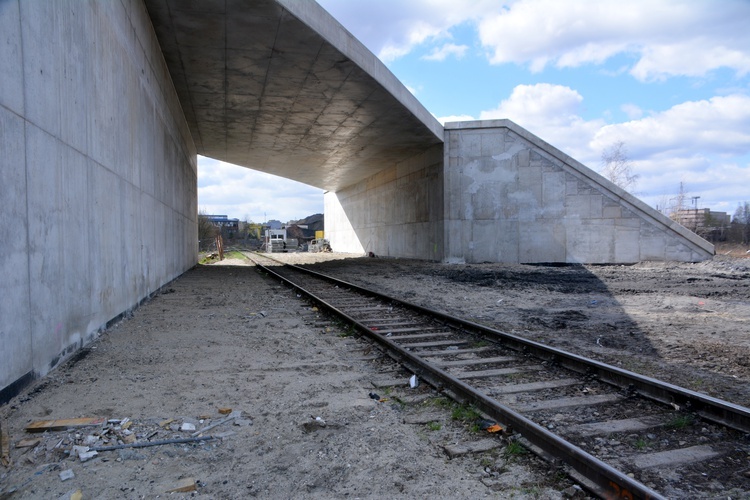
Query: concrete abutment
{"x": 99, "y": 182}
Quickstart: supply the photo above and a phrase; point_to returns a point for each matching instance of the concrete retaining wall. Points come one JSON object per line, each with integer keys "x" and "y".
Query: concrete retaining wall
{"x": 511, "y": 197}
{"x": 97, "y": 175}
{"x": 395, "y": 213}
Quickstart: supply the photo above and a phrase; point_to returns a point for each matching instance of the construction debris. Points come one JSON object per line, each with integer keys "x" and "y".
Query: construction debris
{"x": 185, "y": 485}
{"x": 63, "y": 424}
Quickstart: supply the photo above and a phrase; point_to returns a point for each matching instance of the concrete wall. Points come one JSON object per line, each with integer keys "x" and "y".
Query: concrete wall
{"x": 511, "y": 197}
{"x": 396, "y": 213}
{"x": 97, "y": 177}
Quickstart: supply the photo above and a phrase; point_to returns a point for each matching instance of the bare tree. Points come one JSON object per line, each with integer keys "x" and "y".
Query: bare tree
{"x": 616, "y": 166}
{"x": 741, "y": 219}
{"x": 206, "y": 230}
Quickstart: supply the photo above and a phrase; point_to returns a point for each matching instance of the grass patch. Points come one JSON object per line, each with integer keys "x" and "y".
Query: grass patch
{"x": 680, "y": 422}
{"x": 465, "y": 413}
{"x": 439, "y": 402}
{"x": 640, "y": 444}
{"x": 346, "y": 330}
{"x": 479, "y": 343}
{"x": 235, "y": 254}
{"x": 209, "y": 258}
{"x": 514, "y": 449}
{"x": 434, "y": 426}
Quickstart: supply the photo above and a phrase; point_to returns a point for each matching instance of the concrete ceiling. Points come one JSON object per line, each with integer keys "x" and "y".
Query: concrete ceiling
{"x": 281, "y": 87}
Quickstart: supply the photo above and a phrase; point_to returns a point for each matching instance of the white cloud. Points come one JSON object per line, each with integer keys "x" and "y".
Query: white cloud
{"x": 665, "y": 38}
{"x": 720, "y": 125}
{"x": 393, "y": 28}
{"x": 454, "y": 118}
{"x": 632, "y": 111}
{"x": 551, "y": 112}
{"x": 668, "y": 38}
{"x": 449, "y": 49}
{"x": 239, "y": 192}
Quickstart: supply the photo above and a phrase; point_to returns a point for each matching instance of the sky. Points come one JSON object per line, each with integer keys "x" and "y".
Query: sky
{"x": 670, "y": 79}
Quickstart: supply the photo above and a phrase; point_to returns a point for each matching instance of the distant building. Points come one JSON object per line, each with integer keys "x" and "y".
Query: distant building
{"x": 704, "y": 222}
{"x": 229, "y": 227}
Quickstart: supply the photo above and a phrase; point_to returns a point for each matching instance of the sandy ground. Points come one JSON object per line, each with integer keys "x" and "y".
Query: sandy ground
{"x": 226, "y": 337}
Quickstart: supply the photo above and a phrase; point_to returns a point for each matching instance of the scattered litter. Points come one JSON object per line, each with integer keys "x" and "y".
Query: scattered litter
{"x": 489, "y": 426}
{"x": 315, "y": 424}
{"x": 485, "y": 424}
{"x": 598, "y": 342}
{"x": 225, "y": 411}
{"x": 263, "y": 313}
{"x": 499, "y": 301}
{"x": 314, "y": 309}
{"x": 184, "y": 485}
{"x": 413, "y": 382}
{"x": 451, "y": 348}
{"x": 374, "y": 328}
{"x": 63, "y": 424}
{"x": 242, "y": 422}
{"x": 28, "y": 443}
{"x": 77, "y": 495}
{"x": 377, "y": 397}
{"x": 67, "y": 474}
{"x": 232, "y": 415}
{"x": 165, "y": 423}
{"x": 594, "y": 302}
{"x": 146, "y": 444}
{"x": 389, "y": 334}
{"x": 187, "y": 427}
{"x": 86, "y": 456}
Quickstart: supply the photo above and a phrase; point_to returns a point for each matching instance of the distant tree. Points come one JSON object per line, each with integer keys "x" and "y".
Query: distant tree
{"x": 741, "y": 219}
{"x": 616, "y": 166}
{"x": 206, "y": 230}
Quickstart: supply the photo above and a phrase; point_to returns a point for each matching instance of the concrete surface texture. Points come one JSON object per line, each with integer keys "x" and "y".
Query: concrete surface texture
{"x": 397, "y": 212}
{"x": 511, "y": 197}
{"x": 281, "y": 87}
{"x": 97, "y": 175}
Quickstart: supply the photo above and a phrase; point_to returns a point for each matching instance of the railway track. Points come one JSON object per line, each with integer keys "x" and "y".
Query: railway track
{"x": 620, "y": 434}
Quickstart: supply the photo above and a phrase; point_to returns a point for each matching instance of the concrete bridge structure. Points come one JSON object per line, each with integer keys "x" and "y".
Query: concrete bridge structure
{"x": 104, "y": 106}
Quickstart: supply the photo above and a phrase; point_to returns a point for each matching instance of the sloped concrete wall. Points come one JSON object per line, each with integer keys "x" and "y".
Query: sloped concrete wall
{"x": 97, "y": 175}
{"x": 511, "y": 197}
{"x": 396, "y": 213}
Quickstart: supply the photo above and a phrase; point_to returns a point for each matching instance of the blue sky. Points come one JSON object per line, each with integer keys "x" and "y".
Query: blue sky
{"x": 670, "y": 79}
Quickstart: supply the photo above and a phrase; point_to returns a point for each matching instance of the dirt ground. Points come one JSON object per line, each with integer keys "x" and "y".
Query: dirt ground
{"x": 226, "y": 337}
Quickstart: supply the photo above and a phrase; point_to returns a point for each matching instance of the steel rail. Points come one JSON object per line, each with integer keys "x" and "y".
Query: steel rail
{"x": 602, "y": 479}
{"x": 710, "y": 408}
